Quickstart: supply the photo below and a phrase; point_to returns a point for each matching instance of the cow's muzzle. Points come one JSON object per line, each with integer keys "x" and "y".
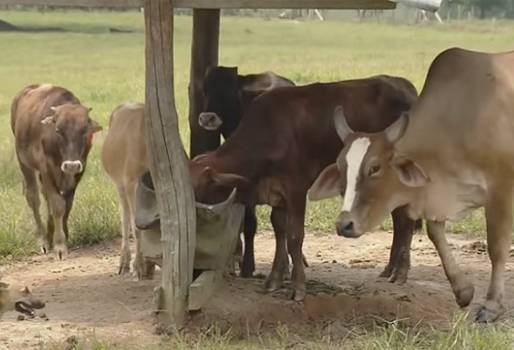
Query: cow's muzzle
{"x": 346, "y": 226}
{"x": 209, "y": 121}
{"x": 72, "y": 167}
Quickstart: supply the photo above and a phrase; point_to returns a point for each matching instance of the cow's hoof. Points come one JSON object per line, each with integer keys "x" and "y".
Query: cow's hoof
{"x": 398, "y": 274}
{"x": 387, "y": 272}
{"x": 247, "y": 270}
{"x": 464, "y": 295}
{"x": 273, "y": 283}
{"x": 45, "y": 246}
{"x": 60, "y": 251}
{"x": 298, "y": 294}
{"x": 144, "y": 270}
{"x": 124, "y": 263}
{"x": 487, "y": 315}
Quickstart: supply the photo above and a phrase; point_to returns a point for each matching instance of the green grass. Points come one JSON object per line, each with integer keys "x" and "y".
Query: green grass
{"x": 460, "y": 334}
{"x": 104, "y": 69}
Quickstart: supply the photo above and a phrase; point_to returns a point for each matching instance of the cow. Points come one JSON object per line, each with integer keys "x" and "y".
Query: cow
{"x": 53, "y": 135}
{"x": 451, "y": 153}
{"x": 125, "y": 160}
{"x": 286, "y": 138}
{"x": 227, "y": 96}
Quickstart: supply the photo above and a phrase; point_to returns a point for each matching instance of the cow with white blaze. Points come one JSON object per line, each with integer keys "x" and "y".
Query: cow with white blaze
{"x": 53, "y": 135}
{"x": 451, "y": 153}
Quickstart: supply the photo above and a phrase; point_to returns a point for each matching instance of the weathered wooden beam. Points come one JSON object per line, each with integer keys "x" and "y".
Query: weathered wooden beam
{"x": 288, "y": 4}
{"x": 204, "y": 54}
{"x": 168, "y": 163}
{"x": 213, "y": 4}
{"x": 76, "y": 3}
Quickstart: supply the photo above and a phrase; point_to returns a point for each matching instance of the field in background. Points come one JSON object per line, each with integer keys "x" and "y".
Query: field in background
{"x": 104, "y": 69}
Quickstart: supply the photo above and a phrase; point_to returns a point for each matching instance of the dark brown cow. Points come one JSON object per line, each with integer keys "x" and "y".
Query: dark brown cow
{"x": 283, "y": 143}
{"x": 227, "y": 96}
{"x": 53, "y": 134}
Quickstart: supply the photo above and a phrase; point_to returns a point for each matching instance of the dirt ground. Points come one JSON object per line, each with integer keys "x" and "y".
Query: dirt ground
{"x": 85, "y": 296}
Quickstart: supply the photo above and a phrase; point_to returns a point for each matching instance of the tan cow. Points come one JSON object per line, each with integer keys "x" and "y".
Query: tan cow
{"x": 452, "y": 153}
{"x": 53, "y": 135}
{"x": 125, "y": 160}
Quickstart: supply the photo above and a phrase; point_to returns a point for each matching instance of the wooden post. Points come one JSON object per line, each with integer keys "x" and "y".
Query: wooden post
{"x": 204, "y": 54}
{"x": 168, "y": 164}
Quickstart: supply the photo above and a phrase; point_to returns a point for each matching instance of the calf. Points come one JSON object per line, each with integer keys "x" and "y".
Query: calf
{"x": 125, "y": 160}
{"x": 452, "y": 153}
{"x": 285, "y": 140}
{"x": 53, "y": 135}
{"x": 227, "y": 96}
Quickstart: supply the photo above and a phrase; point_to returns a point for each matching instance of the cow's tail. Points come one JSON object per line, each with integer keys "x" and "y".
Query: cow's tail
{"x": 16, "y": 100}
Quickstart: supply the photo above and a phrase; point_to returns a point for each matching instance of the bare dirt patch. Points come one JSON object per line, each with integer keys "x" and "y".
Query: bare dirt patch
{"x": 85, "y": 296}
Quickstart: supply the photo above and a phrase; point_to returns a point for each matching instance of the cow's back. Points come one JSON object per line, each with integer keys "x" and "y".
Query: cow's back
{"x": 294, "y": 126}
{"x": 124, "y": 154}
{"x": 466, "y": 108}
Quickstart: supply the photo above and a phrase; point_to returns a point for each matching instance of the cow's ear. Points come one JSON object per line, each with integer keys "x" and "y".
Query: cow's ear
{"x": 409, "y": 172}
{"x": 342, "y": 127}
{"x": 328, "y": 184}
{"x": 231, "y": 180}
{"x": 50, "y": 119}
{"x": 94, "y": 126}
{"x": 396, "y": 130}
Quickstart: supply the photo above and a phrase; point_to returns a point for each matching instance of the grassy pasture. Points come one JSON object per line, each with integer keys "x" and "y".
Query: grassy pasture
{"x": 104, "y": 69}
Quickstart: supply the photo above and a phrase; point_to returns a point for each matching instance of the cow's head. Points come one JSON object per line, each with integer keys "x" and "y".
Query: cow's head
{"x": 69, "y": 135}
{"x": 211, "y": 186}
{"x": 228, "y": 94}
{"x": 372, "y": 179}
{"x": 221, "y": 101}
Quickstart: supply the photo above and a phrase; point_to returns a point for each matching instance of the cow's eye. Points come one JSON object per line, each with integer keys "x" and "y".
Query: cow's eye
{"x": 58, "y": 132}
{"x": 373, "y": 170}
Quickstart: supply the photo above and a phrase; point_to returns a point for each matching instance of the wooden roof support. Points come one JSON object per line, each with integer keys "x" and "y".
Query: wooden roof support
{"x": 168, "y": 164}
{"x": 212, "y": 4}
{"x": 204, "y": 54}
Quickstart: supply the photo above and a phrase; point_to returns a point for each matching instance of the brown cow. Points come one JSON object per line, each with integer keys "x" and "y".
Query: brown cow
{"x": 283, "y": 143}
{"x": 53, "y": 135}
{"x": 125, "y": 160}
{"x": 452, "y": 153}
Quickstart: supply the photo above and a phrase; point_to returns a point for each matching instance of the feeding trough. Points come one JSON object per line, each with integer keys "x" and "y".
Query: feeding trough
{"x": 217, "y": 233}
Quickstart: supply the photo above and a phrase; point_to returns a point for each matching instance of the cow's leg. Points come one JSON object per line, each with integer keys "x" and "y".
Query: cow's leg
{"x": 57, "y": 205}
{"x": 295, "y": 234}
{"x": 69, "y": 204}
{"x": 462, "y": 288}
{"x": 250, "y": 227}
{"x": 49, "y": 219}
{"x": 397, "y": 269}
{"x": 499, "y": 227}
{"x": 125, "y": 230}
{"x": 143, "y": 269}
{"x": 280, "y": 268}
{"x": 34, "y": 202}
